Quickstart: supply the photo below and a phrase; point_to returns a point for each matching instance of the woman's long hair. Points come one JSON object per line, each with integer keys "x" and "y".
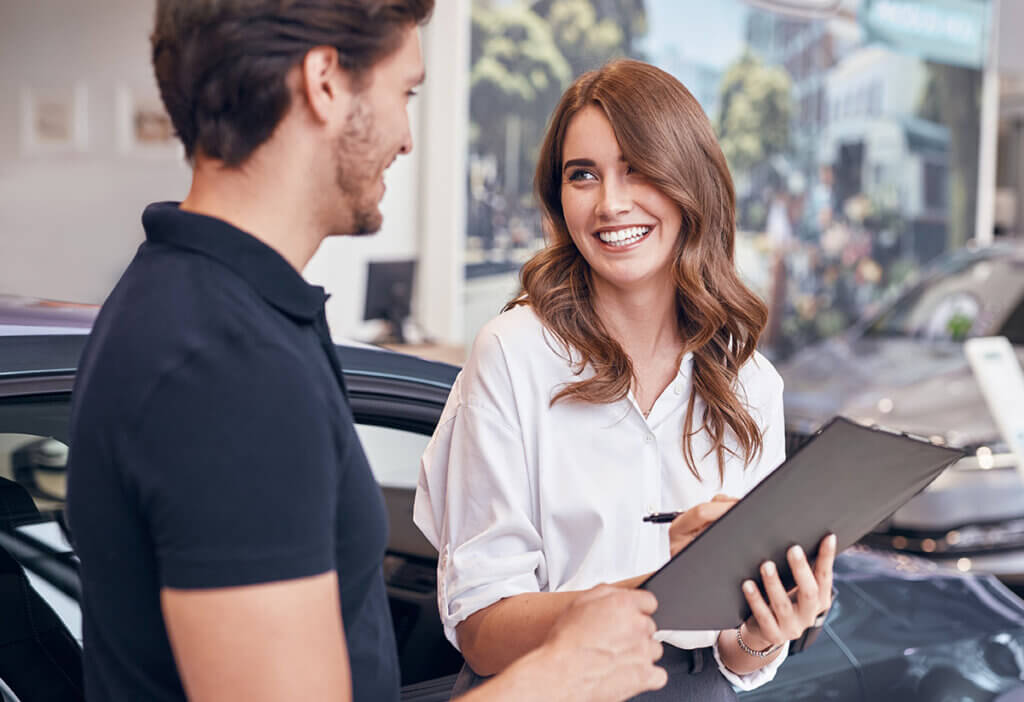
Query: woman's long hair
{"x": 665, "y": 136}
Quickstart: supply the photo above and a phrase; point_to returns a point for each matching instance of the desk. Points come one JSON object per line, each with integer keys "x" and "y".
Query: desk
{"x": 446, "y": 353}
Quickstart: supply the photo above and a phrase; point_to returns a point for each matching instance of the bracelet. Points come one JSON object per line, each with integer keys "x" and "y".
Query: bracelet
{"x": 751, "y": 652}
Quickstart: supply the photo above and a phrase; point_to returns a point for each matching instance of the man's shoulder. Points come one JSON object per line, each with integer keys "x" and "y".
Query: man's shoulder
{"x": 190, "y": 319}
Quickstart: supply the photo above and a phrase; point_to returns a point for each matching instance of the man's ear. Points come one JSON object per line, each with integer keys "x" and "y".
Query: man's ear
{"x": 325, "y": 85}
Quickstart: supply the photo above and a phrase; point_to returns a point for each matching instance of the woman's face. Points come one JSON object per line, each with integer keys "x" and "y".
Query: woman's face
{"x": 625, "y": 227}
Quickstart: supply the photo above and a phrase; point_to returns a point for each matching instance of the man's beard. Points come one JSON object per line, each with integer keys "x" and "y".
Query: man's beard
{"x": 357, "y": 170}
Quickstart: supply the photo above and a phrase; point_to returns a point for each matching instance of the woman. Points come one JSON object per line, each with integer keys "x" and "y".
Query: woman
{"x": 623, "y": 380}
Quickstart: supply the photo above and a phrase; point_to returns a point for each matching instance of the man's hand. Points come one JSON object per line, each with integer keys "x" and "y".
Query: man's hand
{"x": 604, "y": 647}
{"x": 688, "y": 525}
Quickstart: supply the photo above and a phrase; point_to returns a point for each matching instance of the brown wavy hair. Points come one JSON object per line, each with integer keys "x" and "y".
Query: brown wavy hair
{"x": 665, "y": 136}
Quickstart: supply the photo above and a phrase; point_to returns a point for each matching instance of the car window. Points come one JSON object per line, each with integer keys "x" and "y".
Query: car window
{"x": 37, "y": 463}
{"x": 394, "y": 454}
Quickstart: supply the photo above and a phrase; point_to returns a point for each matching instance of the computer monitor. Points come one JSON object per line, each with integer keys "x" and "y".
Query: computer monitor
{"x": 389, "y": 287}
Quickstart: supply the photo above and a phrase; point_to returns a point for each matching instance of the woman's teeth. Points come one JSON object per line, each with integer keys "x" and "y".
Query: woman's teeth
{"x": 624, "y": 237}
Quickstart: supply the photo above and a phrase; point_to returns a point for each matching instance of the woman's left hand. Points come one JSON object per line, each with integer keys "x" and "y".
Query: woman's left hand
{"x": 787, "y": 615}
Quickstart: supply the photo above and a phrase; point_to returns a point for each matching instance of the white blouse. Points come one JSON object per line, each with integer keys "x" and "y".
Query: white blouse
{"x": 519, "y": 495}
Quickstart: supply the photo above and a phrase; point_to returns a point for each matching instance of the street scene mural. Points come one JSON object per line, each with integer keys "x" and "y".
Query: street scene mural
{"x": 852, "y": 139}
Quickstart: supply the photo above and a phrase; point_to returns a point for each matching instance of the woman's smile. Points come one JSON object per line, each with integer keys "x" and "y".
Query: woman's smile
{"x": 621, "y": 239}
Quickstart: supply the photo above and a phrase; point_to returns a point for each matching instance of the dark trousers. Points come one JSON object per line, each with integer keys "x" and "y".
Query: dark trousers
{"x": 693, "y": 676}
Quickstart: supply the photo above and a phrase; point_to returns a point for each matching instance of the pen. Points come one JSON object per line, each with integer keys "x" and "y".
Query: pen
{"x": 661, "y": 517}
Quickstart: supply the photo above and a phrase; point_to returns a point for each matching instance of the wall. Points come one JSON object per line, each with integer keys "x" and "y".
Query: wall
{"x": 70, "y": 221}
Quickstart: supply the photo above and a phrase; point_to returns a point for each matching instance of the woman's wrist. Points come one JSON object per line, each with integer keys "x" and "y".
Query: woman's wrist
{"x": 752, "y": 639}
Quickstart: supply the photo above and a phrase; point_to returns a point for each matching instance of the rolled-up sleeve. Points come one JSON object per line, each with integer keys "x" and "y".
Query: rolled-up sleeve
{"x": 751, "y": 681}
{"x": 475, "y": 501}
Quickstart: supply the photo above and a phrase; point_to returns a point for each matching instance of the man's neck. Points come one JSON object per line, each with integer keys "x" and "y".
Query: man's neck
{"x": 269, "y": 204}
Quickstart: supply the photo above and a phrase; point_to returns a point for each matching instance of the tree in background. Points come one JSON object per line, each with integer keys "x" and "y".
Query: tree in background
{"x": 754, "y": 112}
{"x": 517, "y": 74}
{"x": 523, "y": 55}
{"x": 592, "y": 32}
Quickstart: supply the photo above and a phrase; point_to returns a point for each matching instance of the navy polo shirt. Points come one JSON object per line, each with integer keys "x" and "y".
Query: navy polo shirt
{"x": 212, "y": 446}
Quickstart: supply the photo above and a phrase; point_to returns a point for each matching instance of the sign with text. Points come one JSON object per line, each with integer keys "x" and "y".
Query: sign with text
{"x": 945, "y": 31}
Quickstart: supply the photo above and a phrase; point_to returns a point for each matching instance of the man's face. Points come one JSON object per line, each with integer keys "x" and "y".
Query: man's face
{"x": 375, "y": 132}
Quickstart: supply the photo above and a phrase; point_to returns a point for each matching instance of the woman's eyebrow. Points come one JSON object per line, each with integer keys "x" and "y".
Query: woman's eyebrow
{"x": 584, "y": 162}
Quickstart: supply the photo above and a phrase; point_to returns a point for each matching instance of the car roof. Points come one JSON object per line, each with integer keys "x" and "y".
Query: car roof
{"x": 26, "y": 316}
{"x": 45, "y": 337}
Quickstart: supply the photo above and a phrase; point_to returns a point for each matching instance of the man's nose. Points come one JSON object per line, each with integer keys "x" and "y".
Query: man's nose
{"x": 406, "y": 144}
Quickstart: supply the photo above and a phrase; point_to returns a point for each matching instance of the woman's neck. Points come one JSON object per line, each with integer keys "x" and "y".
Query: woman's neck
{"x": 642, "y": 319}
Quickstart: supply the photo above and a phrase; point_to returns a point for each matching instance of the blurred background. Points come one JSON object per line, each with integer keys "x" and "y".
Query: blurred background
{"x": 877, "y": 148}
{"x": 867, "y": 139}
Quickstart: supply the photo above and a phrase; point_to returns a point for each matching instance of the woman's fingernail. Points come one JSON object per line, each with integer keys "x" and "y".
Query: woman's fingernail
{"x": 748, "y": 587}
{"x": 768, "y": 568}
{"x": 796, "y": 552}
{"x": 831, "y": 540}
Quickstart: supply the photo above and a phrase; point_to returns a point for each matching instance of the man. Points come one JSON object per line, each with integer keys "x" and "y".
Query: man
{"x": 230, "y": 531}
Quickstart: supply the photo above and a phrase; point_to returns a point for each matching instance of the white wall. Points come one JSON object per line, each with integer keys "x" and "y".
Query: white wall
{"x": 70, "y": 221}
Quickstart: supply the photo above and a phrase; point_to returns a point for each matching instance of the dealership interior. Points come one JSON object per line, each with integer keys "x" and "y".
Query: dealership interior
{"x": 876, "y": 152}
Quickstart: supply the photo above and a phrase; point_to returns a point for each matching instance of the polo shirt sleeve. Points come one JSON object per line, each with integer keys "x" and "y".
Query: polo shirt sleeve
{"x": 232, "y": 461}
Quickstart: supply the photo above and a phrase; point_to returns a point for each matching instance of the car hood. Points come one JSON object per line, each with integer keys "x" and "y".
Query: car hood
{"x": 921, "y": 387}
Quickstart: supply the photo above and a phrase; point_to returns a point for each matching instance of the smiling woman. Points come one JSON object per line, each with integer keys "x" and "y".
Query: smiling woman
{"x": 622, "y": 380}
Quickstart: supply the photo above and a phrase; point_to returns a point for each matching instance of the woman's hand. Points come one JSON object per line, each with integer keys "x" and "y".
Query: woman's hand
{"x": 688, "y": 525}
{"x": 787, "y": 615}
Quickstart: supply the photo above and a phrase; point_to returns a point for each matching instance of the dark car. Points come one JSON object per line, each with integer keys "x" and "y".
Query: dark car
{"x": 904, "y": 367}
{"x": 901, "y": 629}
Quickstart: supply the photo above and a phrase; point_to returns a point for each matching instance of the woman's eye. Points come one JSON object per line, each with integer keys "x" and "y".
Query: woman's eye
{"x": 581, "y": 175}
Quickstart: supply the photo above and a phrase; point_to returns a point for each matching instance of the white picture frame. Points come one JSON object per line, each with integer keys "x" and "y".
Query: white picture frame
{"x": 54, "y": 120}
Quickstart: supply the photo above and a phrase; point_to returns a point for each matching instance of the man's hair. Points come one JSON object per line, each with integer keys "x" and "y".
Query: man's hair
{"x": 221, "y": 64}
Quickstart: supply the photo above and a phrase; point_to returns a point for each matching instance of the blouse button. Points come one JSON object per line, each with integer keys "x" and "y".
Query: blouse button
{"x": 677, "y": 389}
{"x": 649, "y": 438}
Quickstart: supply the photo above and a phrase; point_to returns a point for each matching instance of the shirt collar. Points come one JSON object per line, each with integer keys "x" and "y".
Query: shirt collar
{"x": 258, "y": 264}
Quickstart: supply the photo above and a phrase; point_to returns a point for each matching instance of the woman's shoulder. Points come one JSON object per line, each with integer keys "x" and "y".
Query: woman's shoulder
{"x": 759, "y": 378}
{"x": 518, "y": 329}
{"x": 516, "y": 341}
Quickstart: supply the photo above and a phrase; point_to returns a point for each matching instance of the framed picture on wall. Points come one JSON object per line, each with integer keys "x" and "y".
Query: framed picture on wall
{"x": 143, "y": 126}
{"x": 54, "y": 120}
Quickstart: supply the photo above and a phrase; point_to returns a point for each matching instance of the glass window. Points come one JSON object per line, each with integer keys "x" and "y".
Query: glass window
{"x": 860, "y": 139}
{"x": 39, "y": 464}
{"x": 394, "y": 454}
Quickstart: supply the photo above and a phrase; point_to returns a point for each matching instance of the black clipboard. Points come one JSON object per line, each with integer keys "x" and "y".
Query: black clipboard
{"x": 845, "y": 480}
